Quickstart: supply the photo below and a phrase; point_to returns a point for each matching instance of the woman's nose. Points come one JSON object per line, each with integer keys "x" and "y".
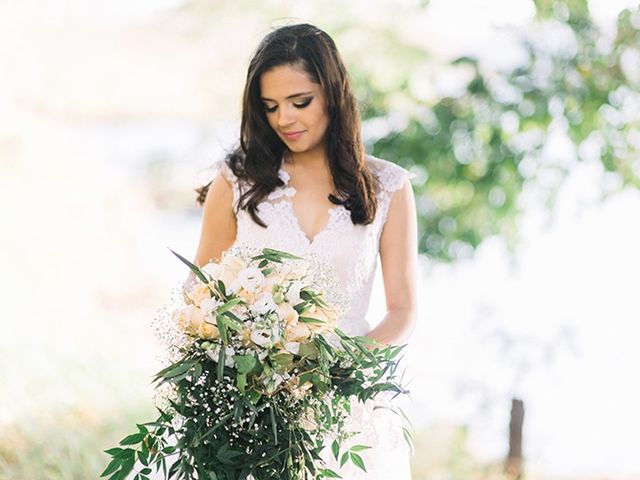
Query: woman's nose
{"x": 286, "y": 116}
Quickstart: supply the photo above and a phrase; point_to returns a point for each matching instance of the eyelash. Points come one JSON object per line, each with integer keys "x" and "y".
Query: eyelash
{"x": 297, "y": 105}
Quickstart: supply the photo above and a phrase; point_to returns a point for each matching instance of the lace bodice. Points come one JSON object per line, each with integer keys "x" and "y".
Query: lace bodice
{"x": 350, "y": 249}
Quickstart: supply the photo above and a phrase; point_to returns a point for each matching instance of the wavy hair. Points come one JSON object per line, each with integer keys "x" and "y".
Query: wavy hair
{"x": 258, "y": 157}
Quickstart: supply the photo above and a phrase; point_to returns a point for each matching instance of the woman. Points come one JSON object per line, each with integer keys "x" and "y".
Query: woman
{"x": 300, "y": 182}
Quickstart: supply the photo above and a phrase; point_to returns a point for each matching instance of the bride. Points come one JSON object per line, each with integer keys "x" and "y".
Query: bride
{"x": 301, "y": 182}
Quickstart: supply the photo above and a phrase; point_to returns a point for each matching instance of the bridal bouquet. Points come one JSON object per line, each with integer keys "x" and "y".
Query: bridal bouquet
{"x": 260, "y": 376}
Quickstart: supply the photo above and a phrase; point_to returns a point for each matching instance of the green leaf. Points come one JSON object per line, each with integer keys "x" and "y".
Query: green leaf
{"x": 178, "y": 370}
{"x": 197, "y": 371}
{"x": 217, "y": 425}
{"x": 132, "y": 439}
{"x": 114, "y": 451}
{"x": 222, "y": 327}
{"x": 328, "y": 473}
{"x": 245, "y": 363}
{"x": 142, "y": 428}
{"x": 308, "y": 350}
{"x": 241, "y": 381}
{"x": 220, "y": 367}
{"x": 221, "y": 288}
{"x": 314, "y": 321}
{"x": 143, "y": 455}
{"x": 112, "y": 467}
{"x": 228, "y": 305}
{"x": 359, "y": 448}
{"x": 345, "y": 457}
{"x": 193, "y": 267}
{"x": 357, "y": 460}
{"x": 274, "y": 425}
{"x": 335, "y": 449}
{"x": 282, "y": 361}
{"x": 280, "y": 254}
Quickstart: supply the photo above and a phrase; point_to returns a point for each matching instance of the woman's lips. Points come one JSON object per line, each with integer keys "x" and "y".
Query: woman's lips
{"x": 293, "y": 135}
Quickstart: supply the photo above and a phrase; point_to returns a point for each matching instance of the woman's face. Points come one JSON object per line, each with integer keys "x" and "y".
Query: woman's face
{"x": 294, "y": 105}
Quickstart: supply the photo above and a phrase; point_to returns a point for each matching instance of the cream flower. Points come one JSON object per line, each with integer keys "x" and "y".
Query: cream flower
{"x": 199, "y": 293}
{"x": 327, "y": 317}
{"x": 293, "y": 293}
{"x": 261, "y": 337}
{"x": 246, "y": 296}
{"x": 250, "y": 278}
{"x": 297, "y": 332}
{"x": 208, "y": 305}
{"x": 264, "y": 304}
{"x": 212, "y": 269}
{"x": 287, "y": 313}
{"x": 208, "y": 331}
{"x": 292, "y": 347}
{"x": 271, "y": 281}
{"x": 189, "y": 318}
{"x": 230, "y": 268}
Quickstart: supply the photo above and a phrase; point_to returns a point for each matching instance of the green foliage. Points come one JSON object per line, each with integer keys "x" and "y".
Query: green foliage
{"x": 473, "y": 152}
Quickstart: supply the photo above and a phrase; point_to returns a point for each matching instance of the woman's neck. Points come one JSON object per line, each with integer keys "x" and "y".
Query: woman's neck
{"x": 314, "y": 160}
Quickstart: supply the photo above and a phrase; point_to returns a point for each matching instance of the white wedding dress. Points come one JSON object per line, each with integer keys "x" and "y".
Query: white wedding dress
{"x": 352, "y": 251}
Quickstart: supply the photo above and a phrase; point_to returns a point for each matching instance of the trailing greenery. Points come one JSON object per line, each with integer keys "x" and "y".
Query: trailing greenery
{"x": 265, "y": 389}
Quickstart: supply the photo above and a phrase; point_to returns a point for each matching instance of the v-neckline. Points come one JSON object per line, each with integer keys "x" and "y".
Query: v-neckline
{"x": 285, "y": 177}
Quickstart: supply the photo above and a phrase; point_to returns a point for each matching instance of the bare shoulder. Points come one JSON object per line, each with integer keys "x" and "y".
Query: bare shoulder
{"x": 218, "y": 229}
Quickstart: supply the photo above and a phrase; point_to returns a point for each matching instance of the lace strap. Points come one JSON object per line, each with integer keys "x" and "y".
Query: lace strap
{"x": 392, "y": 177}
{"x": 221, "y": 167}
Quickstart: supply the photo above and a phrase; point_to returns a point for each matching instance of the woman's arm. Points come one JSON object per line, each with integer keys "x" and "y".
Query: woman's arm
{"x": 399, "y": 261}
{"x": 218, "y": 230}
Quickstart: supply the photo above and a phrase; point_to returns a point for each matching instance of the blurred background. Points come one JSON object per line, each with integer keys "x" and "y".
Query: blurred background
{"x": 521, "y": 120}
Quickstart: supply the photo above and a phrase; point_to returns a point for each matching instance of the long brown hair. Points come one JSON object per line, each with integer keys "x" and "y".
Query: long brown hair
{"x": 257, "y": 159}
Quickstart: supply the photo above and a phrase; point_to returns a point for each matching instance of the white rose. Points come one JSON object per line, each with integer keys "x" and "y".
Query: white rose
{"x": 264, "y": 304}
{"x": 292, "y": 347}
{"x": 293, "y": 293}
{"x": 230, "y": 267}
{"x": 209, "y": 305}
{"x": 261, "y": 337}
{"x": 250, "y": 278}
{"x": 199, "y": 293}
{"x": 233, "y": 286}
{"x": 229, "y": 361}
{"x": 212, "y": 270}
{"x": 271, "y": 281}
{"x": 287, "y": 313}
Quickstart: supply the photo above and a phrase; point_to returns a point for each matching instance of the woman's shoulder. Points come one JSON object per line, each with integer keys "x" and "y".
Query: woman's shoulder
{"x": 391, "y": 175}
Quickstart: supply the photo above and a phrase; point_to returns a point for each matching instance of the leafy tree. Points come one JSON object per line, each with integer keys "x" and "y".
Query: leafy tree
{"x": 473, "y": 153}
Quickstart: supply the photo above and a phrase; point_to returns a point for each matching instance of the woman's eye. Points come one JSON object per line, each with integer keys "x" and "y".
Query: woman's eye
{"x": 303, "y": 104}
{"x": 297, "y": 105}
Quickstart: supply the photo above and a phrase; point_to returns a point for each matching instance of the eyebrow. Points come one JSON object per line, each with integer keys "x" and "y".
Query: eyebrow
{"x": 290, "y": 96}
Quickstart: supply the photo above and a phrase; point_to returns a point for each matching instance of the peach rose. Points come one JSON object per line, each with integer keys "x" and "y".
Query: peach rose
{"x": 296, "y": 333}
{"x": 230, "y": 267}
{"x": 198, "y": 293}
{"x": 287, "y": 313}
{"x": 189, "y": 318}
{"x": 327, "y": 317}
{"x": 208, "y": 331}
